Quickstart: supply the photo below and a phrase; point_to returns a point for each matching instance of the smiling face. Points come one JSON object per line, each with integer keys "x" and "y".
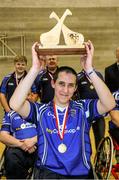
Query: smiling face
{"x": 20, "y": 64}
{"x": 51, "y": 62}
{"x": 20, "y": 67}
{"x": 65, "y": 86}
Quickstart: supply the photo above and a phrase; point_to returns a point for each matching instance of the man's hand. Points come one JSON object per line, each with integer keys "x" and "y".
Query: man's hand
{"x": 38, "y": 62}
{"x": 22, "y": 145}
{"x": 32, "y": 149}
{"x": 29, "y": 144}
{"x": 86, "y": 60}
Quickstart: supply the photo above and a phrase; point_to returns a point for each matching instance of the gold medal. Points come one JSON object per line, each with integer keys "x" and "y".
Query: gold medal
{"x": 91, "y": 87}
{"x": 62, "y": 148}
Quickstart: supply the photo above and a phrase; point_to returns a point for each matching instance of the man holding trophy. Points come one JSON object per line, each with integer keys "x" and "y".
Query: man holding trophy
{"x": 63, "y": 125}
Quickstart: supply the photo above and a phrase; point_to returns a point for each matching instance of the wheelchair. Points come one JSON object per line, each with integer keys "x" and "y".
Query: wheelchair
{"x": 105, "y": 164}
{"x": 2, "y": 168}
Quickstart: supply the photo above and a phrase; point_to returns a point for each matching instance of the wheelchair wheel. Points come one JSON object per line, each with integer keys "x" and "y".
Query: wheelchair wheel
{"x": 103, "y": 158}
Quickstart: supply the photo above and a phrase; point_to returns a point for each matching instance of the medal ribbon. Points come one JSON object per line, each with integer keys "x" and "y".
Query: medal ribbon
{"x": 16, "y": 76}
{"x": 61, "y": 133}
{"x": 51, "y": 75}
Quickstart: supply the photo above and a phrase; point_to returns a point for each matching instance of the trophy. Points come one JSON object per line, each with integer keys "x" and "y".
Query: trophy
{"x": 49, "y": 41}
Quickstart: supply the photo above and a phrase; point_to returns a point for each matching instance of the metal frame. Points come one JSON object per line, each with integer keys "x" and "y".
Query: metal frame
{"x": 6, "y": 48}
{"x": 103, "y": 158}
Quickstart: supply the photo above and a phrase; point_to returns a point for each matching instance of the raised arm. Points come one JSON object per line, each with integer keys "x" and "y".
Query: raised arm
{"x": 106, "y": 101}
{"x": 18, "y": 100}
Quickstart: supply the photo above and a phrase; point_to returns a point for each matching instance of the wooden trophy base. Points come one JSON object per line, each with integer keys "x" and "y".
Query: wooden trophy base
{"x": 61, "y": 50}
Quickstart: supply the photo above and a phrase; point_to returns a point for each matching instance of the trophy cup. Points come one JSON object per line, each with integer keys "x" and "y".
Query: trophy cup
{"x": 49, "y": 41}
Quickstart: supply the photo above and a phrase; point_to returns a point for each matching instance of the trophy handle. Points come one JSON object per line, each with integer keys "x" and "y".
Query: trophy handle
{"x": 53, "y": 36}
{"x": 50, "y": 40}
{"x": 70, "y": 37}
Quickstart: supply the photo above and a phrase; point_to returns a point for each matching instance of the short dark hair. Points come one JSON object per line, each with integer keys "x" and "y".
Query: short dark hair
{"x": 20, "y": 58}
{"x": 66, "y": 69}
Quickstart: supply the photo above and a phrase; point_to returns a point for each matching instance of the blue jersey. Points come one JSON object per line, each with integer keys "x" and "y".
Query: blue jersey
{"x": 9, "y": 85}
{"x": 43, "y": 86}
{"x": 76, "y": 159}
{"x": 17, "y": 126}
{"x": 85, "y": 89}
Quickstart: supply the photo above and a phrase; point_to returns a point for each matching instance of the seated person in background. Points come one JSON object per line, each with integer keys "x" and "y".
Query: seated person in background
{"x": 113, "y": 126}
{"x": 20, "y": 137}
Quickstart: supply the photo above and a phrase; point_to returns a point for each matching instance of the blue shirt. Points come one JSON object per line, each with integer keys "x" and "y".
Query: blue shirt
{"x": 85, "y": 89}
{"x": 17, "y": 126}
{"x": 9, "y": 85}
{"x": 76, "y": 159}
{"x": 43, "y": 86}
